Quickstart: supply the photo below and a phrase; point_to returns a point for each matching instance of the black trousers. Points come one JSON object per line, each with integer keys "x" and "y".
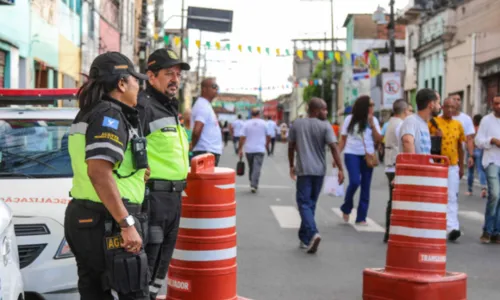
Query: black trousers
{"x": 270, "y": 147}
{"x": 84, "y": 231}
{"x": 165, "y": 213}
{"x": 217, "y": 156}
{"x": 390, "y": 178}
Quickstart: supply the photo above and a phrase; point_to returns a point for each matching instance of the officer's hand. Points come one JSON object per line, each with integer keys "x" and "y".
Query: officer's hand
{"x": 146, "y": 175}
{"x": 132, "y": 241}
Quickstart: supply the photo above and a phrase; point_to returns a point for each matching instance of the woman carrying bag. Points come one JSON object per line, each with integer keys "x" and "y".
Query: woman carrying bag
{"x": 360, "y": 135}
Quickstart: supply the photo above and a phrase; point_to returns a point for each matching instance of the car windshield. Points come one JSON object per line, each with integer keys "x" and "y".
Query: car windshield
{"x": 34, "y": 148}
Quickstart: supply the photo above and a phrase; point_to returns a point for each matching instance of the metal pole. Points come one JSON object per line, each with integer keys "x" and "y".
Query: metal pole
{"x": 335, "y": 104}
{"x": 323, "y": 72}
{"x": 198, "y": 66}
{"x": 182, "y": 29}
{"x": 392, "y": 41}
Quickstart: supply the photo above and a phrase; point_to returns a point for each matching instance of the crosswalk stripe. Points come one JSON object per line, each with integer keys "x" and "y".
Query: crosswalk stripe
{"x": 471, "y": 215}
{"x": 287, "y": 216}
{"x": 371, "y": 226}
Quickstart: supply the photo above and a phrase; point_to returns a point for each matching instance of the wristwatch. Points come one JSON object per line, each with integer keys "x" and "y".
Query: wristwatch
{"x": 127, "y": 222}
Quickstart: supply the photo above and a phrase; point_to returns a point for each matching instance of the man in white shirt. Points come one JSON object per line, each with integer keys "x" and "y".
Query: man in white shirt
{"x": 488, "y": 139}
{"x": 207, "y": 136}
{"x": 272, "y": 128}
{"x": 235, "y": 129}
{"x": 400, "y": 110}
{"x": 469, "y": 131}
{"x": 254, "y": 139}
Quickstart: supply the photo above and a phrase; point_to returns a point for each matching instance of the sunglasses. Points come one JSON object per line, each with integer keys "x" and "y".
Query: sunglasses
{"x": 372, "y": 104}
{"x": 215, "y": 86}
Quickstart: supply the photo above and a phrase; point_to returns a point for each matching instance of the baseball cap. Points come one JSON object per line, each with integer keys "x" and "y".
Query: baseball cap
{"x": 165, "y": 58}
{"x": 110, "y": 65}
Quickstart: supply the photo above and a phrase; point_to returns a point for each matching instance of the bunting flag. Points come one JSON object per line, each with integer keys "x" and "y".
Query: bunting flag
{"x": 274, "y": 87}
{"x": 321, "y": 55}
{"x": 370, "y": 58}
{"x": 300, "y": 54}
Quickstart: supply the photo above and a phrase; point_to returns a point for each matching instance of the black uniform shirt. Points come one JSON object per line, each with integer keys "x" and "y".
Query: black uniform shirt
{"x": 108, "y": 132}
{"x": 153, "y": 105}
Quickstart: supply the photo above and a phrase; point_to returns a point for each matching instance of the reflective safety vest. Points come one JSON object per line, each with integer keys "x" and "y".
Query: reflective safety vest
{"x": 130, "y": 182}
{"x": 168, "y": 149}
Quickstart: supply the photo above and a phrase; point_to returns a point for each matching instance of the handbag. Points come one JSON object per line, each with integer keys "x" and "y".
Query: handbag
{"x": 371, "y": 158}
{"x": 436, "y": 141}
{"x": 240, "y": 167}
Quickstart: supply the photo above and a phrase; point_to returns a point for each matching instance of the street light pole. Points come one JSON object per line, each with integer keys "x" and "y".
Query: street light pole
{"x": 392, "y": 41}
{"x": 182, "y": 29}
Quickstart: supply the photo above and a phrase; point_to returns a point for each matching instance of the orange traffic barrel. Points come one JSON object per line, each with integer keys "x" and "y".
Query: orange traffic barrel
{"x": 203, "y": 265}
{"x": 416, "y": 253}
{"x": 417, "y": 235}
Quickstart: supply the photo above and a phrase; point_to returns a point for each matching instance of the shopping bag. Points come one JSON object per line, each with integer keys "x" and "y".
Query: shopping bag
{"x": 331, "y": 186}
{"x": 240, "y": 168}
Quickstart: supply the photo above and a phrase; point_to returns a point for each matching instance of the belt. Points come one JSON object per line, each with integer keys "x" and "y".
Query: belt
{"x": 167, "y": 185}
{"x": 99, "y": 207}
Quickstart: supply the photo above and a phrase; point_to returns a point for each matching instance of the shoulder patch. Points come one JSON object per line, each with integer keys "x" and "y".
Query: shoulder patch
{"x": 110, "y": 122}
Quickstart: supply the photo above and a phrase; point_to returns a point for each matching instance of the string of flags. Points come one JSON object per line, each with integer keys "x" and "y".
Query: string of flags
{"x": 305, "y": 83}
{"x": 339, "y": 56}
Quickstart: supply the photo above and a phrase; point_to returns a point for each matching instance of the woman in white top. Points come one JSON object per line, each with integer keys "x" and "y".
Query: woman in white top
{"x": 360, "y": 133}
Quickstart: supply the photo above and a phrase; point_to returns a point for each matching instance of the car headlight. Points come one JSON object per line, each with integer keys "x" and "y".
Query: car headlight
{"x": 64, "y": 251}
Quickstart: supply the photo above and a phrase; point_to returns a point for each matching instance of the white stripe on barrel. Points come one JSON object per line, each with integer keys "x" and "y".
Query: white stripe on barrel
{"x": 419, "y": 206}
{"x": 204, "y": 255}
{"x": 226, "y": 186}
{"x": 418, "y": 232}
{"x": 208, "y": 223}
{"x": 422, "y": 181}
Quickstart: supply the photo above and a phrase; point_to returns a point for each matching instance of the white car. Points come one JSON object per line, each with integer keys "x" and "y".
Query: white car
{"x": 11, "y": 281}
{"x": 35, "y": 180}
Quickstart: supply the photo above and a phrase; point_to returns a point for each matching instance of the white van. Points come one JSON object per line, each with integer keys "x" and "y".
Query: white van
{"x": 35, "y": 180}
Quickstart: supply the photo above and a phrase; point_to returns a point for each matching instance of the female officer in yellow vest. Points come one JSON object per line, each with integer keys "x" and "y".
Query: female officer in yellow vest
{"x": 104, "y": 224}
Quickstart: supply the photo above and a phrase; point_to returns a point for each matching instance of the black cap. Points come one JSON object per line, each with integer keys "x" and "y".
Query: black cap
{"x": 110, "y": 65}
{"x": 165, "y": 58}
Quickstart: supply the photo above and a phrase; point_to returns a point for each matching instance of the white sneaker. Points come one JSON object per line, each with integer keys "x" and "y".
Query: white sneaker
{"x": 314, "y": 244}
{"x": 302, "y": 246}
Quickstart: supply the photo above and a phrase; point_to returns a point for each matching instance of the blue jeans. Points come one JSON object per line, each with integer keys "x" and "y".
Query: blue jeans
{"x": 492, "y": 214}
{"x": 308, "y": 190}
{"x": 478, "y": 157}
{"x": 236, "y": 143}
{"x": 359, "y": 174}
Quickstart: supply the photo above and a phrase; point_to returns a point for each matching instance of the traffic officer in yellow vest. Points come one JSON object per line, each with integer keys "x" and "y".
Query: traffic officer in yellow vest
{"x": 168, "y": 150}
{"x": 105, "y": 225}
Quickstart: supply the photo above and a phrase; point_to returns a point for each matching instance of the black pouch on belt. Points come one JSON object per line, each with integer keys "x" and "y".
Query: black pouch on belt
{"x": 125, "y": 272}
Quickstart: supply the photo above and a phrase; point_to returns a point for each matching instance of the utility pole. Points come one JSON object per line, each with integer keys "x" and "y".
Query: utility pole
{"x": 392, "y": 41}
{"x": 143, "y": 36}
{"x": 323, "y": 72}
{"x": 335, "y": 102}
{"x": 182, "y": 29}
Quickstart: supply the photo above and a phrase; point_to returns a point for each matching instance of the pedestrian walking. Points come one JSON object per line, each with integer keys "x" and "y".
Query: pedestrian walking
{"x": 400, "y": 110}
{"x": 105, "y": 221}
{"x": 272, "y": 129}
{"x": 468, "y": 127}
{"x": 453, "y": 137}
{"x": 225, "y": 132}
{"x": 235, "y": 129}
{"x": 254, "y": 140}
{"x": 308, "y": 138}
{"x": 168, "y": 149}
{"x": 360, "y": 134}
{"x": 488, "y": 139}
{"x": 478, "y": 156}
{"x": 414, "y": 133}
{"x": 207, "y": 137}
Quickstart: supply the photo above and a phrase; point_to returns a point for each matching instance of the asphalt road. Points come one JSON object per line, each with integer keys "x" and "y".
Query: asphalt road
{"x": 271, "y": 266}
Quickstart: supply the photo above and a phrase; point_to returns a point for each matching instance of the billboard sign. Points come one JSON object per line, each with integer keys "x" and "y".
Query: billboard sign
{"x": 209, "y": 19}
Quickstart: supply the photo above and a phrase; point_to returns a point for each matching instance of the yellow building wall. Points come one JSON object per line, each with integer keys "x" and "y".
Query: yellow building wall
{"x": 69, "y": 59}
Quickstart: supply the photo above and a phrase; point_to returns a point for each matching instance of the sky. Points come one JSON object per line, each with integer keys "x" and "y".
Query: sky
{"x": 266, "y": 23}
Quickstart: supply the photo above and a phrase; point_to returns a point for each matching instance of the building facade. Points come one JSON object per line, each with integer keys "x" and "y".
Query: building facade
{"x": 363, "y": 36}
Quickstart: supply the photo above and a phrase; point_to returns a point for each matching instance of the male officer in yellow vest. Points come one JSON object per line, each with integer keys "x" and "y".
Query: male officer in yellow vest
{"x": 168, "y": 150}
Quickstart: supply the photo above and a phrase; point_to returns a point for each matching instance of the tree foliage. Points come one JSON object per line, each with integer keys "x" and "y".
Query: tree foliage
{"x": 316, "y": 90}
